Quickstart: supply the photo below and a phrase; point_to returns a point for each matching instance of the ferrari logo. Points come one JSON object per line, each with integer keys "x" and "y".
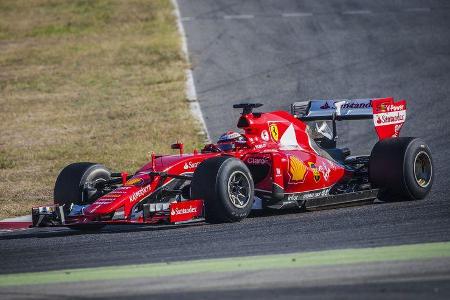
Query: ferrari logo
{"x": 316, "y": 172}
{"x": 297, "y": 169}
{"x": 273, "y": 128}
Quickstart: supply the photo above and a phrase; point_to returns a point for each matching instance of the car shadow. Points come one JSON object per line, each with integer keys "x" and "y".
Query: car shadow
{"x": 52, "y": 232}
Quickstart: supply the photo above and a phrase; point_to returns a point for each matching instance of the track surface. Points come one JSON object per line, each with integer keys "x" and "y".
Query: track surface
{"x": 394, "y": 280}
{"x": 249, "y": 50}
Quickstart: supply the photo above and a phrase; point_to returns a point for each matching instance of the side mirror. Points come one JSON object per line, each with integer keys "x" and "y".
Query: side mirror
{"x": 178, "y": 145}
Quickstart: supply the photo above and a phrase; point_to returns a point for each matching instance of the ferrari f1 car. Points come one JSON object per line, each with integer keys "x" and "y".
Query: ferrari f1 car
{"x": 280, "y": 160}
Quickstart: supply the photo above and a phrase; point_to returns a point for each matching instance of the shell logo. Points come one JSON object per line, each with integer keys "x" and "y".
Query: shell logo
{"x": 297, "y": 169}
{"x": 134, "y": 181}
{"x": 382, "y": 107}
{"x": 273, "y": 128}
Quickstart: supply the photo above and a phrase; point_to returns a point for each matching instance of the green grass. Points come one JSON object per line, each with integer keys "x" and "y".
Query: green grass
{"x": 99, "y": 81}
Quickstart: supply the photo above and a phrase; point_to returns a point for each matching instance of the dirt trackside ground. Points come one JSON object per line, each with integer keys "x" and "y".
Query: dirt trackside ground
{"x": 99, "y": 81}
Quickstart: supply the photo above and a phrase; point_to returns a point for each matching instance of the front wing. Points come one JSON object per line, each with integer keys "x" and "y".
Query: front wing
{"x": 154, "y": 213}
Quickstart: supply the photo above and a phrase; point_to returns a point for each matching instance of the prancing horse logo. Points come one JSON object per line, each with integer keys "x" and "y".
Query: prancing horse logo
{"x": 273, "y": 128}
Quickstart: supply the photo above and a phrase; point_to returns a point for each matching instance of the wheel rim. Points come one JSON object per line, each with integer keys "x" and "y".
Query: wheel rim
{"x": 90, "y": 189}
{"x": 423, "y": 170}
{"x": 239, "y": 189}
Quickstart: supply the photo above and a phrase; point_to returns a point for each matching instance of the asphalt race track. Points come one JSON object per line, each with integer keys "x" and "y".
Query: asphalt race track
{"x": 277, "y": 52}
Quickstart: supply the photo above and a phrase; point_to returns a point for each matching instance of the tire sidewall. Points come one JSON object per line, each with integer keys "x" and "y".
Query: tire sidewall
{"x": 210, "y": 184}
{"x": 226, "y": 170}
{"x": 414, "y": 190}
{"x": 70, "y": 181}
{"x": 391, "y": 169}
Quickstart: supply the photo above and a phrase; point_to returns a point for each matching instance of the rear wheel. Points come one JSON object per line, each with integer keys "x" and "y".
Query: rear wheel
{"x": 226, "y": 186}
{"x": 402, "y": 168}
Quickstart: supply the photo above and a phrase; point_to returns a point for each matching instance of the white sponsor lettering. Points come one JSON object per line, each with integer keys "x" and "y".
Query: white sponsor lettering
{"x": 191, "y": 165}
{"x": 94, "y": 208}
{"x": 260, "y": 146}
{"x": 389, "y": 118}
{"x": 332, "y": 166}
{"x": 256, "y": 160}
{"x": 309, "y": 195}
{"x": 119, "y": 192}
{"x": 182, "y": 211}
{"x": 293, "y": 197}
{"x": 104, "y": 201}
{"x": 325, "y": 171}
{"x": 138, "y": 194}
{"x": 265, "y": 135}
{"x": 397, "y": 129}
{"x": 391, "y": 108}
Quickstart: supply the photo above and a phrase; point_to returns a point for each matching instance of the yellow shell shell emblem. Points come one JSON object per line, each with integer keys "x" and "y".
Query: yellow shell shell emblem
{"x": 316, "y": 172}
{"x": 297, "y": 169}
{"x": 273, "y": 128}
{"x": 134, "y": 181}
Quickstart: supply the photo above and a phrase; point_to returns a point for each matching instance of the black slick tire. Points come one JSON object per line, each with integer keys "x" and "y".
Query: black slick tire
{"x": 402, "y": 168}
{"x": 217, "y": 181}
{"x": 70, "y": 182}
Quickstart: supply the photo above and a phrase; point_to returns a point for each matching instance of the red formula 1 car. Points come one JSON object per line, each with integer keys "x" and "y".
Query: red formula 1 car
{"x": 281, "y": 160}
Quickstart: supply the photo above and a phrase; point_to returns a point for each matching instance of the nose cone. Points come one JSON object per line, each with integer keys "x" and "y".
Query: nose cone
{"x": 111, "y": 201}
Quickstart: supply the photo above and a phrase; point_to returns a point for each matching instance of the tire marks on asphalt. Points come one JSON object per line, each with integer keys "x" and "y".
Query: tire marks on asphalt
{"x": 307, "y": 14}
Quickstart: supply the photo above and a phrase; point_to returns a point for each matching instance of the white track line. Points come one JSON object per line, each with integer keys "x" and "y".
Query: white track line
{"x": 296, "y": 15}
{"x": 418, "y": 9}
{"x": 357, "y": 12}
{"x": 26, "y": 218}
{"x": 187, "y": 19}
{"x": 12, "y": 230}
{"x": 231, "y": 17}
{"x": 191, "y": 92}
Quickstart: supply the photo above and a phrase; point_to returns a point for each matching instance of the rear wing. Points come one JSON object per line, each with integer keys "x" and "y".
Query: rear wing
{"x": 315, "y": 110}
{"x": 388, "y": 116}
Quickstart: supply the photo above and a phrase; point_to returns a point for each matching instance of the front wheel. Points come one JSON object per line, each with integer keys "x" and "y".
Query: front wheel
{"x": 402, "y": 168}
{"x": 226, "y": 186}
{"x": 76, "y": 184}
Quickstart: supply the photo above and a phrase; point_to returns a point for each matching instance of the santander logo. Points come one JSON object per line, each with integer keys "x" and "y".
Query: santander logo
{"x": 191, "y": 165}
{"x": 390, "y": 119}
{"x": 182, "y": 211}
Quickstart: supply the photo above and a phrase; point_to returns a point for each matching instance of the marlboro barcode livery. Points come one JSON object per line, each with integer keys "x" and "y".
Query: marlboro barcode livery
{"x": 277, "y": 160}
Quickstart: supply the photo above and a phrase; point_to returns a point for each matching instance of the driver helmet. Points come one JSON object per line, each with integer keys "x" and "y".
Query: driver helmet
{"x": 229, "y": 140}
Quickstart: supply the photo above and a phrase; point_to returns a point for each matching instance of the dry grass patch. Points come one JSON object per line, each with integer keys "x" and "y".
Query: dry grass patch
{"x": 98, "y": 81}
